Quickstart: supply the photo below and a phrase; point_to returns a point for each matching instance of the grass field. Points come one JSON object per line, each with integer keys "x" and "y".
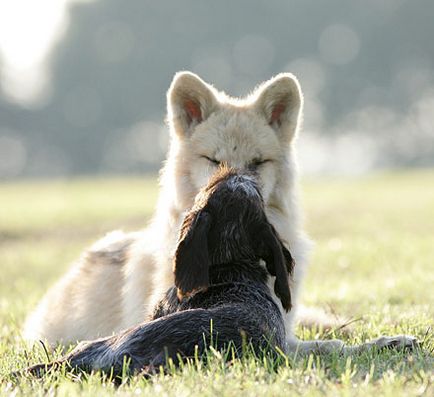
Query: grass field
{"x": 373, "y": 262}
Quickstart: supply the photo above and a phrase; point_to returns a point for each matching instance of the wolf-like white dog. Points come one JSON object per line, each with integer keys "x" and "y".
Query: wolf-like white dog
{"x": 116, "y": 282}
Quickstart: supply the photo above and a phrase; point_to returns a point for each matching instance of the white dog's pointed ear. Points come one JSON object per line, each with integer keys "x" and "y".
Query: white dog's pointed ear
{"x": 280, "y": 101}
{"x": 190, "y": 101}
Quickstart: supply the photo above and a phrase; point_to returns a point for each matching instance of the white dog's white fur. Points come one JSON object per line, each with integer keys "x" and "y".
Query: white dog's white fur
{"x": 118, "y": 281}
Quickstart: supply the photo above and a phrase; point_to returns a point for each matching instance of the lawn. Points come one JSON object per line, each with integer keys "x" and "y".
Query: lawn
{"x": 373, "y": 263}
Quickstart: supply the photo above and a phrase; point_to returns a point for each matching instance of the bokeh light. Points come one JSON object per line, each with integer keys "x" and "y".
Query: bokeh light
{"x": 339, "y": 44}
{"x": 13, "y": 154}
{"x": 28, "y": 32}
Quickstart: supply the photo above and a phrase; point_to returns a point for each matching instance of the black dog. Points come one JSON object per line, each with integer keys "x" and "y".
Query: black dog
{"x": 220, "y": 297}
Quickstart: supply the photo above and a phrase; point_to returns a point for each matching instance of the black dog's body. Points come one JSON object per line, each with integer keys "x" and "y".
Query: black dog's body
{"x": 226, "y": 314}
{"x": 241, "y": 309}
{"x": 220, "y": 298}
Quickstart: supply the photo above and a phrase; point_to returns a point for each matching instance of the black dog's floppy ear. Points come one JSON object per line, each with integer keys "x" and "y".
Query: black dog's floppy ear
{"x": 191, "y": 266}
{"x": 279, "y": 263}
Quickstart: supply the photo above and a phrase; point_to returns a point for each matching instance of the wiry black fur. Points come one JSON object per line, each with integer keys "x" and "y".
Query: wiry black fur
{"x": 220, "y": 295}
{"x": 228, "y": 225}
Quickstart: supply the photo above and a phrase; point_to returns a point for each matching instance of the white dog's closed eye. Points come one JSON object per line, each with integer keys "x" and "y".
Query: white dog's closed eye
{"x": 211, "y": 160}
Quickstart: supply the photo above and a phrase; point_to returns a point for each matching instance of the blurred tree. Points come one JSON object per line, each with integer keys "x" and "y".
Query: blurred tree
{"x": 111, "y": 71}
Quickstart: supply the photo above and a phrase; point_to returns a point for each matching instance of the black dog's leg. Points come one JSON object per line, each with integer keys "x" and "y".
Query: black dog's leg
{"x": 171, "y": 335}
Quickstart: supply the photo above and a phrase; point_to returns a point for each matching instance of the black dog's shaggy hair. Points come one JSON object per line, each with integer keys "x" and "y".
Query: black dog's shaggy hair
{"x": 220, "y": 297}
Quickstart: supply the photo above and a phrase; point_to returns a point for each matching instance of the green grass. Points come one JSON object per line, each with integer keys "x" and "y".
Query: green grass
{"x": 373, "y": 261}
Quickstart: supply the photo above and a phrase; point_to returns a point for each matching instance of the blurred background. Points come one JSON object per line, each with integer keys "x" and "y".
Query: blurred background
{"x": 83, "y": 83}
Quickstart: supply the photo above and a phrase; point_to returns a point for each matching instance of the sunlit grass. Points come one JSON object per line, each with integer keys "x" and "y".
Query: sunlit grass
{"x": 373, "y": 261}
{"x": 49, "y": 206}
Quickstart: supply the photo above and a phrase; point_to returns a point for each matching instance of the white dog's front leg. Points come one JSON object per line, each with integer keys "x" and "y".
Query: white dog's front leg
{"x": 296, "y": 346}
{"x": 385, "y": 342}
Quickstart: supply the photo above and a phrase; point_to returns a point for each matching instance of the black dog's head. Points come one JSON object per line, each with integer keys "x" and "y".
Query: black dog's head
{"x": 228, "y": 224}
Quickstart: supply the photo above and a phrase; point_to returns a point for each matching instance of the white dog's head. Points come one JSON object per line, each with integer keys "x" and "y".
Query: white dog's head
{"x": 209, "y": 128}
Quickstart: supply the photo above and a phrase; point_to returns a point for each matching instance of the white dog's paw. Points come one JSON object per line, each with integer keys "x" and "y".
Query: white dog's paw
{"x": 395, "y": 342}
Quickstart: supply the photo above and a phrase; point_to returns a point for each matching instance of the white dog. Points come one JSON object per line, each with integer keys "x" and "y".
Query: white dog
{"x": 118, "y": 281}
